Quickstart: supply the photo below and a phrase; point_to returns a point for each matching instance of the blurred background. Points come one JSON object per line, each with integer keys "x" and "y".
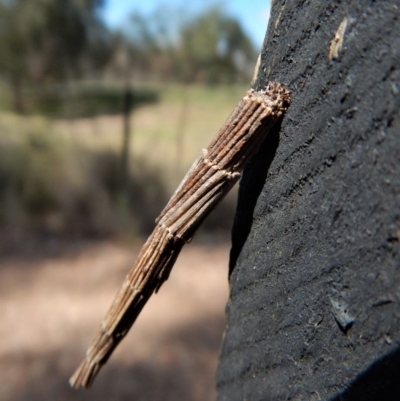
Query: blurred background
{"x": 104, "y": 105}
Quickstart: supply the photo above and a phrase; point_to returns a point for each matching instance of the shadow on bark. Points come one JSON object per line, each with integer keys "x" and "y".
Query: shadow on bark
{"x": 380, "y": 381}
{"x": 250, "y": 189}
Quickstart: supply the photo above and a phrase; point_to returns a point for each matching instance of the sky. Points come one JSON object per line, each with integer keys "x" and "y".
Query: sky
{"x": 252, "y": 14}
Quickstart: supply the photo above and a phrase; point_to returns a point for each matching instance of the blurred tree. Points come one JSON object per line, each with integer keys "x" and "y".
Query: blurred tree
{"x": 214, "y": 48}
{"x": 50, "y": 40}
{"x": 211, "y": 47}
{"x": 167, "y": 44}
{"x": 151, "y": 42}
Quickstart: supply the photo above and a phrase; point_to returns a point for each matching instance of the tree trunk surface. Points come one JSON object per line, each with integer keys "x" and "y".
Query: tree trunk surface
{"x": 314, "y": 308}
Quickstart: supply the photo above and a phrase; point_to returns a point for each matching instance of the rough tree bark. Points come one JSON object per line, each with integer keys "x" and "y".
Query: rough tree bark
{"x": 314, "y": 308}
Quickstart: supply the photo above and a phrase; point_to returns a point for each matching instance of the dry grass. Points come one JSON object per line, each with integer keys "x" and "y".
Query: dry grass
{"x": 62, "y": 175}
{"x": 156, "y": 127}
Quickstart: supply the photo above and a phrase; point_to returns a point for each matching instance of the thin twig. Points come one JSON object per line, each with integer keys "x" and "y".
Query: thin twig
{"x": 209, "y": 179}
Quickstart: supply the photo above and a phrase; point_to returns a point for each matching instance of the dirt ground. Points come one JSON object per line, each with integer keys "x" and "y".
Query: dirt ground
{"x": 53, "y": 297}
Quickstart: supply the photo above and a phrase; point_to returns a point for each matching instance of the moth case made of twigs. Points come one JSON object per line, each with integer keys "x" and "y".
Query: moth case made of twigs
{"x": 209, "y": 179}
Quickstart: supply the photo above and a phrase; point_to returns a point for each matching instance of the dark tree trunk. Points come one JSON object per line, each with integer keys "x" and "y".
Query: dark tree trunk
{"x": 314, "y": 309}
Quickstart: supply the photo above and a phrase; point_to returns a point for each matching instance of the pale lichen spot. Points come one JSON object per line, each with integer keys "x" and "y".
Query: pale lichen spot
{"x": 337, "y": 41}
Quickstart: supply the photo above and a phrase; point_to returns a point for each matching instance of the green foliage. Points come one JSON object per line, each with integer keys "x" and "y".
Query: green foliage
{"x": 82, "y": 100}
{"x": 45, "y": 44}
{"x": 49, "y": 184}
{"x": 50, "y": 40}
{"x": 29, "y": 165}
{"x": 208, "y": 48}
{"x": 214, "y": 48}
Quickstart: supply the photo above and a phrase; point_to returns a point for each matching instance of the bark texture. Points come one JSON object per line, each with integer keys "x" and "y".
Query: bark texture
{"x": 314, "y": 308}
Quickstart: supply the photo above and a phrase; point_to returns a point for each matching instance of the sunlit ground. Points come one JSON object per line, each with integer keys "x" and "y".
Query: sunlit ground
{"x": 53, "y": 299}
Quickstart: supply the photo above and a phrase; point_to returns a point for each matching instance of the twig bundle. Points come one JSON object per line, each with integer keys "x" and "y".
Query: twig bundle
{"x": 209, "y": 179}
